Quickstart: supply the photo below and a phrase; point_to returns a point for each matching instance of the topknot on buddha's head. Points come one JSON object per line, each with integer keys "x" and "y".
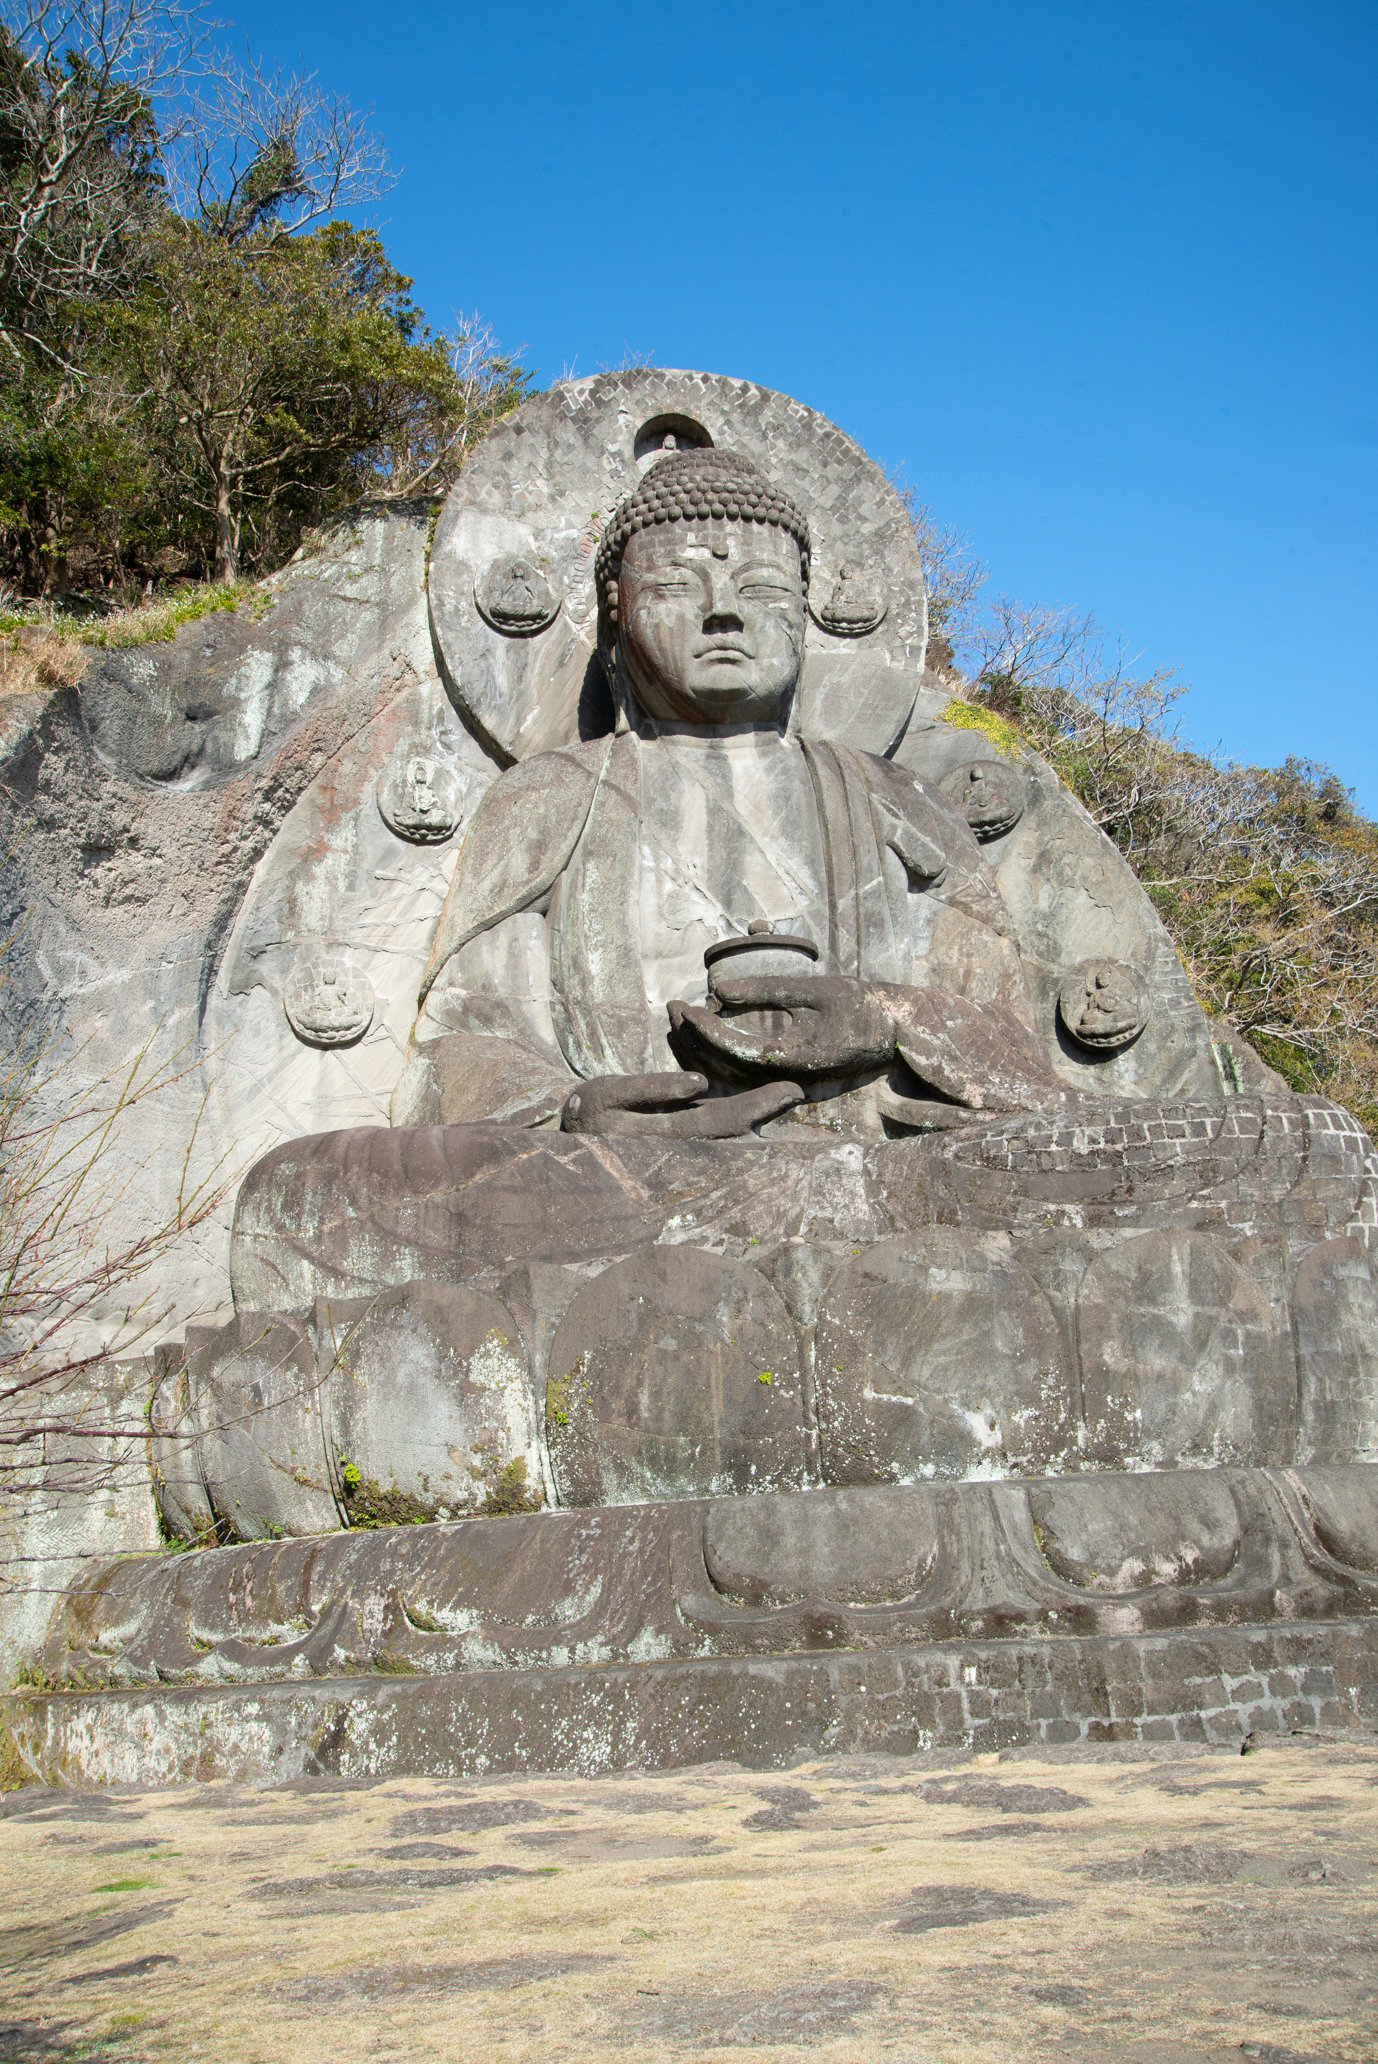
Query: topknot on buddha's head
{"x": 700, "y": 485}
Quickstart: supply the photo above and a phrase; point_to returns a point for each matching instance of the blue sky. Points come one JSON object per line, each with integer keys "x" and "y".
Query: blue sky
{"x": 1099, "y": 278}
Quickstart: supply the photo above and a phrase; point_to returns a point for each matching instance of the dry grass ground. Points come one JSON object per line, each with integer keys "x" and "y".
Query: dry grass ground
{"x": 1107, "y": 1905}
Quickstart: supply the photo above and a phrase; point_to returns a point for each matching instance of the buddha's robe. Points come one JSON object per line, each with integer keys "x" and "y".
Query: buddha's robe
{"x": 592, "y": 879}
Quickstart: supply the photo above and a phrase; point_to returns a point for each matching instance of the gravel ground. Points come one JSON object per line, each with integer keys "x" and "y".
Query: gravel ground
{"x": 1145, "y": 1907}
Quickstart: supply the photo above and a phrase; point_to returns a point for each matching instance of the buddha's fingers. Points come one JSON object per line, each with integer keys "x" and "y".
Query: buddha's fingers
{"x": 596, "y": 1105}
{"x": 718, "y": 1034}
{"x": 619, "y": 1108}
{"x": 729, "y": 1117}
{"x": 785, "y": 992}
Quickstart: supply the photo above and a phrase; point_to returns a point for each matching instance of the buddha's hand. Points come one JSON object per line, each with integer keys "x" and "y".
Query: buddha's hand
{"x": 978, "y": 1055}
{"x": 834, "y": 1026}
{"x": 667, "y": 1105}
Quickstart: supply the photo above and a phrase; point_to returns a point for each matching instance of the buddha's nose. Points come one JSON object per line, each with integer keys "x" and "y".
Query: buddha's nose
{"x": 724, "y": 606}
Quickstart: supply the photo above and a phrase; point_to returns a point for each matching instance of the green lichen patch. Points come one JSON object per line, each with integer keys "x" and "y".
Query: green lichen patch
{"x": 971, "y": 716}
{"x": 563, "y": 1393}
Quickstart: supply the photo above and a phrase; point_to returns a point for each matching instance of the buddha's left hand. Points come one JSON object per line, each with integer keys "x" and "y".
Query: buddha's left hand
{"x": 836, "y": 1026}
{"x": 977, "y": 1055}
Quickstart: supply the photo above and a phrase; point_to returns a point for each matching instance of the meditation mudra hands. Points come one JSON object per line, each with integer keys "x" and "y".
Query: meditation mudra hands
{"x": 833, "y": 1026}
{"x": 973, "y": 1055}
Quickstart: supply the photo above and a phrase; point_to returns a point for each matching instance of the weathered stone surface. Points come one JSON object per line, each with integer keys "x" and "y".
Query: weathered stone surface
{"x": 1070, "y": 899}
{"x": 370, "y": 1208}
{"x": 988, "y": 1342}
{"x": 1121, "y": 1534}
{"x": 234, "y": 683}
{"x": 674, "y": 1374}
{"x": 366, "y": 1209}
{"x": 1336, "y": 1316}
{"x": 428, "y": 1393}
{"x": 389, "y": 1409}
{"x": 140, "y": 806}
{"x": 940, "y": 1356}
{"x": 1246, "y": 1165}
{"x": 761, "y": 1713}
{"x": 772, "y": 1574}
{"x": 1182, "y": 1357}
{"x": 264, "y": 1451}
{"x": 1342, "y": 1507}
{"x": 845, "y": 1548}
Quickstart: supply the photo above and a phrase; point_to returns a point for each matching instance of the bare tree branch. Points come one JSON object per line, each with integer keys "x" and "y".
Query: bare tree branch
{"x": 262, "y": 150}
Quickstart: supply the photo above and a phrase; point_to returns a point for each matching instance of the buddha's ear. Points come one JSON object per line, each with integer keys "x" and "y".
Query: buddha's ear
{"x": 622, "y": 700}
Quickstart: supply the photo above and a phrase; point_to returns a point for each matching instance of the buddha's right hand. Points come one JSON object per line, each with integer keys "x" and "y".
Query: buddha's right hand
{"x": 665, "y": 1104}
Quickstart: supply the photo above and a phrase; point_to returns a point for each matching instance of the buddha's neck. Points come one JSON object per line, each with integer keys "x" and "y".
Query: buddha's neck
{"x": 756, "y": 738}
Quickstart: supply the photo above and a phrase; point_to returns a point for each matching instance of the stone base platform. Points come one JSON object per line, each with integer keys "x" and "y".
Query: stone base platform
{"x": 1184, "y": 1605}
{"x": 1207, "y": 1687}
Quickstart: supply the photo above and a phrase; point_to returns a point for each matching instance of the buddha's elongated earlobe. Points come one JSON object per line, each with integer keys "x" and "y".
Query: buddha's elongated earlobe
{"x": 623, "y": 700}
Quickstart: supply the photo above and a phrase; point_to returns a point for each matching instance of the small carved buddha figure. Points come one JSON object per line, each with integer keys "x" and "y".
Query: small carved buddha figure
{"x": 570, "y": 956}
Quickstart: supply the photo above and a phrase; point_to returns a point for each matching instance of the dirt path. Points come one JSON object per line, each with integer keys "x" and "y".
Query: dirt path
{"x": 1103, "y": 1905}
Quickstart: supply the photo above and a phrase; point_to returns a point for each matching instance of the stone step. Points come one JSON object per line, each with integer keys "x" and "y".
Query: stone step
{"x": 763, "y": 1712}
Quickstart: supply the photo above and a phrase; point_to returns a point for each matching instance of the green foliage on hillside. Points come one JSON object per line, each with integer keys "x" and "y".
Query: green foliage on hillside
{"x": 198, "y": 359}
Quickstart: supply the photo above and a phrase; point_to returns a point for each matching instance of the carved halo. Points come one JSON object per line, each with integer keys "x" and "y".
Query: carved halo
{"x": 541, "y": 488}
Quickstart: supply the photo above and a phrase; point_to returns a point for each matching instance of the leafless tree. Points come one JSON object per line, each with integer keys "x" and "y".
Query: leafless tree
{"x": 66, "y": 1260}
{"x": 430, "y": 447}
{"x": 79, "y": 80}
{"x": 954, "y": 575}
{"x": 259, "y": 152}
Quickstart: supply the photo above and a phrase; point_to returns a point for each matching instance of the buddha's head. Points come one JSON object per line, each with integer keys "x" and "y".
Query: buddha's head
{"x": 701, "y": 576}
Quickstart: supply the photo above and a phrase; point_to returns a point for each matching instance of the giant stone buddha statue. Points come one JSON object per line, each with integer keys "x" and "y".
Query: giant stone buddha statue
{"x": 571, "y": 950}
{"x": 795, "y": 1095}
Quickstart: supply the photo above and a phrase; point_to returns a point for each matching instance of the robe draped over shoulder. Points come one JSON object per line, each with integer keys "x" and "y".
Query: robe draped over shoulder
{"x": 519, "y": 843}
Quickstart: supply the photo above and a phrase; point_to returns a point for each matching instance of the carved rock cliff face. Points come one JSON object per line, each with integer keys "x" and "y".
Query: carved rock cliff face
{"x": 139, "y": 809}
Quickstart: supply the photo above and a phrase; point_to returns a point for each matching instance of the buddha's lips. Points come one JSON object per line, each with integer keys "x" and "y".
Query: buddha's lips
{"x": 724, "y": 651}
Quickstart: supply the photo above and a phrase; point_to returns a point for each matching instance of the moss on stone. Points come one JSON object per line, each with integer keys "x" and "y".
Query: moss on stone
{"x": 971, "y": 716}
{"x": 510, "y": 1492}
{"x": 369, "y": 1504}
